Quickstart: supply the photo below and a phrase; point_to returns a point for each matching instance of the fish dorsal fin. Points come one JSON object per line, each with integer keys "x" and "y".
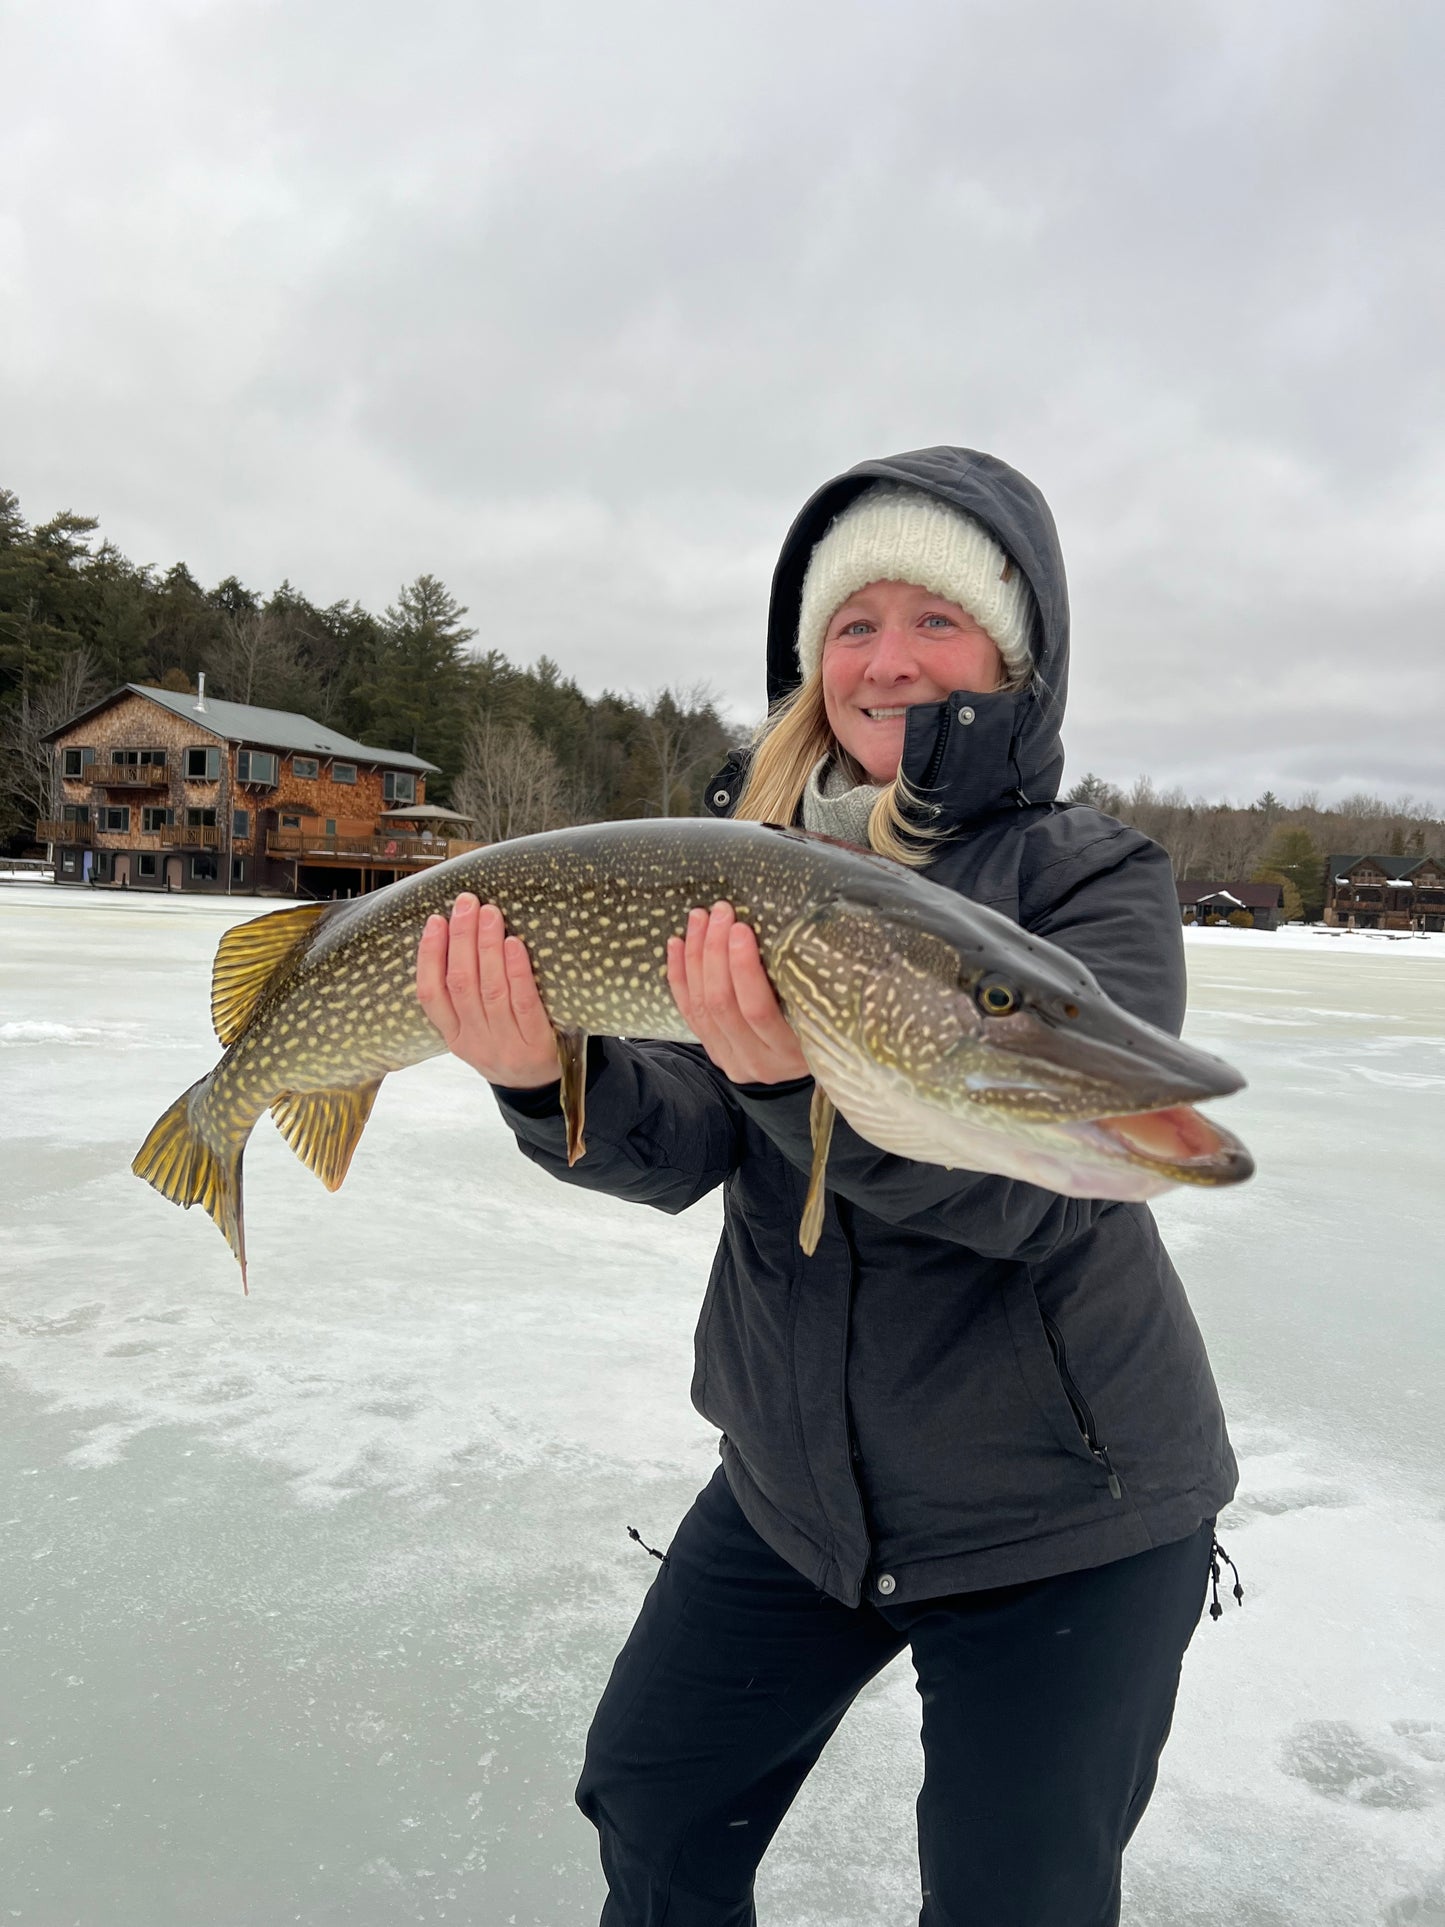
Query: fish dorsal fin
{"x": 249, "y": 957}
{"x": 323, "y": 1128}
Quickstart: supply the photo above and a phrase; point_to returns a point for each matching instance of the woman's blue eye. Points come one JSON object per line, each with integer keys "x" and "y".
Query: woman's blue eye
{"x": 947, "y": 621}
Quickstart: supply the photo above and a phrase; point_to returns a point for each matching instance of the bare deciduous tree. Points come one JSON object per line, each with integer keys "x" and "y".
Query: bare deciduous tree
{"x": 255, "y": 657}
{"x": 682, "y": 729}
{"x": 510, "y": 783}
{"x": 34, "y": 769}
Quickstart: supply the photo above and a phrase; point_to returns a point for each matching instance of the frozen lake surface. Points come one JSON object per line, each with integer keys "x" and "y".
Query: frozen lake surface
{"x": 305, "y": 1598}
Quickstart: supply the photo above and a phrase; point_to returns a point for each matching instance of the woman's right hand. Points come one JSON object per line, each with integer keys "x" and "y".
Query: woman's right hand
{"x": 476, "y": 986}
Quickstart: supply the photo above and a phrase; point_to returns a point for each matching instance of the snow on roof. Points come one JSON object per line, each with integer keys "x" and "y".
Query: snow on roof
{"x": 1249, "y": 896}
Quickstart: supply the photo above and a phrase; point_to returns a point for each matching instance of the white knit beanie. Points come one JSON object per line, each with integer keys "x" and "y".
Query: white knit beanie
{"x": 898, "y": 534}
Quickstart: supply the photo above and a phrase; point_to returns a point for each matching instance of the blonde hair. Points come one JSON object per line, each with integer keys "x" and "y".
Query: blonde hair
{"x": 785, "y": 751}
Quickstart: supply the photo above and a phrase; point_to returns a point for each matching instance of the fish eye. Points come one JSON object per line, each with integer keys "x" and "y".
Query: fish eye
{"x": 997, "y": 999}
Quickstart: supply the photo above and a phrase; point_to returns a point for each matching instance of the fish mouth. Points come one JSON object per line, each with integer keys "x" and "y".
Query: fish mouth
{"x": 1174, "y": 1141}
{"x": 1112, "y": 1107}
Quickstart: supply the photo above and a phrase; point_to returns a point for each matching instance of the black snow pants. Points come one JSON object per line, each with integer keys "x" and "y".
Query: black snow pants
{"x": 1045, "y": 1709}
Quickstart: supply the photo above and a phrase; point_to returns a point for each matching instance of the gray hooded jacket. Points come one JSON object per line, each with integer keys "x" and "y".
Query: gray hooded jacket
{"x": 973, "y": 1381}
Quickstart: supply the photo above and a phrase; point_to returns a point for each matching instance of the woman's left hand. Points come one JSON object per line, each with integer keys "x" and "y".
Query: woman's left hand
{"x": 719, "y": 984}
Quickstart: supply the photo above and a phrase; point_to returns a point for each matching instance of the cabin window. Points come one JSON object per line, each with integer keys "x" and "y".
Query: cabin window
{"x": 200, "y": 819}
{"x": 331, "y": 826}
{"x": 75, "y": 762}
{"x": 114, "y": 816}
{"x": 203, "y": 765}
{"x": 103, "y": 866}
{"x": 257, "y": 766}
{"x": 290, "y": 822}
{"x": 238, "y": 869}
{"x": 343, "y": 772}
{"x": 398, "y": 787}
{"x": 203, "y": 869}
{"x": 138, "y": 759}
{"x": 67, "y": 862}
{"x": 75, "y": 813}
{"x": 240, "y": 823}
{"x": 152, "y": 820}
{"x": 145, "y": 866}
{"x": 306, "y": 767}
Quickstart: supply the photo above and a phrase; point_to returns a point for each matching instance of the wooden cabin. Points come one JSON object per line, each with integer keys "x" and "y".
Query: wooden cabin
{"x": 1385, "y": 892}
{"x": 167, "y": 791}
{"x": 1262, "y": 902}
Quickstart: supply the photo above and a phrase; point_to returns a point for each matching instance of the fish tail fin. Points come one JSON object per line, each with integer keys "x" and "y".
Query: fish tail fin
{"x": 184, "y": 1166}
{"x": 323, "y": 1128}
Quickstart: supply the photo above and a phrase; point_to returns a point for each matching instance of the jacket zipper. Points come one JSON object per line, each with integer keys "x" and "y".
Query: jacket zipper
{"x": 1083, "y": 1417}
{"x": 853, "y": 1453}
{"x": 935, "y": 761}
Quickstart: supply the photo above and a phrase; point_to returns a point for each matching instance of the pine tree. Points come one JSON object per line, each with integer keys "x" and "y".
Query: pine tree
{"x": 1293, "y": 854}
{"x": 414, "y": 695}
{"x": 1096, "y": 793}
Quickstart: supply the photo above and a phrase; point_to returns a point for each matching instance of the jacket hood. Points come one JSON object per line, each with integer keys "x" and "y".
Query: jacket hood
{"x": 975, "y": 753}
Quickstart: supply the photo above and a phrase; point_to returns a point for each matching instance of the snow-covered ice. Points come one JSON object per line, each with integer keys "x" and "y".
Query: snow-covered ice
{"x": 305, "y": 1598}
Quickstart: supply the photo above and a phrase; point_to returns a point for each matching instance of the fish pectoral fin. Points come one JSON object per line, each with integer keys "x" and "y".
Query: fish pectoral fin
{"x": 324, "y": 1128}
{"x": 249, "y": 956}
{"x": 821, "y": 1115}
{"x": 572, "y": 1056}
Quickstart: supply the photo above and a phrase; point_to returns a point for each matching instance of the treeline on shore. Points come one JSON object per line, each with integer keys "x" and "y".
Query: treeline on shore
{"x": 519, "y": 748}
{"x": 1268, "y": 840}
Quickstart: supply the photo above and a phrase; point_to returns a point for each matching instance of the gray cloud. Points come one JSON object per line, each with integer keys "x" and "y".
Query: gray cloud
{"x": 574, "y": 305}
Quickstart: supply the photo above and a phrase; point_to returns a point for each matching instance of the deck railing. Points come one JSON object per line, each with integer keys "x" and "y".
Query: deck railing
{"x": 175, "y": 836}
{"x": 378, "y": 850}
{"x": 114, "y": 776}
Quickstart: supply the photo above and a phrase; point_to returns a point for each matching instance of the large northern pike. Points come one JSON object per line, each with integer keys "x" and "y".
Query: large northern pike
{"x": 938, "y": 1029}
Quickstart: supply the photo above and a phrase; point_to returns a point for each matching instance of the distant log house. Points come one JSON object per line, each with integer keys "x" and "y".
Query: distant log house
{"x": 1385, "y": 892}
{"x": 167, "y": 791}
{"x": 1262, "y": 902}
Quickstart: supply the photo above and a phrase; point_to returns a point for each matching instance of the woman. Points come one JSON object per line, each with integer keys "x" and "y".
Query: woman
{"x": 979, "y": 1422}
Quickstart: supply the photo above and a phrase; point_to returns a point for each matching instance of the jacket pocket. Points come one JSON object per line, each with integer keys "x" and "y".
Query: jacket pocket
{"x": 1078, "y": 1405}
{"x": 1043, "y": 1362}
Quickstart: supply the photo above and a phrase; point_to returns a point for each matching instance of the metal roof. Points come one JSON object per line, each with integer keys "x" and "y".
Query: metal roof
{"x": 249, "y": 723}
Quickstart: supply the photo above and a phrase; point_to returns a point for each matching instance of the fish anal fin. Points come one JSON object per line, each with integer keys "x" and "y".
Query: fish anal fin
{"x": 572, "y": 1056}
{"x": 249, "y": 956}
{"x": 324, "y": 1128}
{"x": 821, "y": 1116}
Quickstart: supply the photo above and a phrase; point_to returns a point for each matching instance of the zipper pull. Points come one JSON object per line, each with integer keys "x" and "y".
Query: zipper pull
{"x": 1101, "y": 1453}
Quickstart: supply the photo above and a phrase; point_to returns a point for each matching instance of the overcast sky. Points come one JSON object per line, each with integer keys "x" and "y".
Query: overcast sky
{"x": 572, "y": 304}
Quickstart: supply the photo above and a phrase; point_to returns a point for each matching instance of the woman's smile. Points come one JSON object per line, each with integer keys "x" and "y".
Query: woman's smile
{"x": 888, "y": 648}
